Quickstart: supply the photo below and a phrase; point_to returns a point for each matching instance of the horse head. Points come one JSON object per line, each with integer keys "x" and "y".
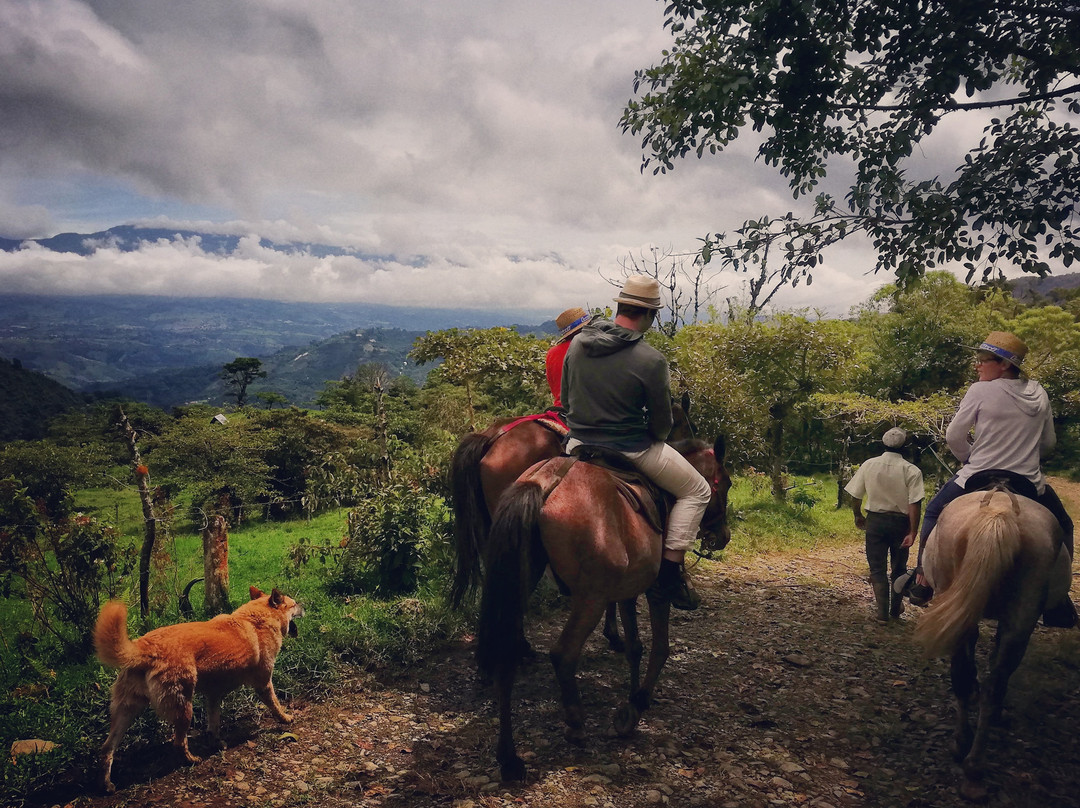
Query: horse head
{"x": 714, "y": 533}
{"x": 682, "y": 427}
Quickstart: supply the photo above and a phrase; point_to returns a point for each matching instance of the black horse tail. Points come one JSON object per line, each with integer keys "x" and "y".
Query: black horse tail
{"x": 514, "y": 533}
{"x": 471, "y": 519}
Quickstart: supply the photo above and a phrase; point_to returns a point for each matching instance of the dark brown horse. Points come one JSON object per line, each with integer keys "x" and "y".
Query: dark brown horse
{"x": 603, "y": 548}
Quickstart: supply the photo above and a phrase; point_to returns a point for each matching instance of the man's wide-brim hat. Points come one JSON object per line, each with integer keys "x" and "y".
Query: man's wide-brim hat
{"x": 641, "y": 291}
{"x": 571, "y": 321}
{"x": 1005, "y": 346}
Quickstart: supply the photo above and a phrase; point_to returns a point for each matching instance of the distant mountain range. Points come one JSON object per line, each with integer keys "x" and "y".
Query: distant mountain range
{"x": 168, "y": 351}
{"x": 128, "y": 238}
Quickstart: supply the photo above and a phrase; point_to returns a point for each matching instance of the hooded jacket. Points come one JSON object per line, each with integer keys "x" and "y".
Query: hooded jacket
{"x": 616, "y": 389}
{"x": 1013, "y": 429}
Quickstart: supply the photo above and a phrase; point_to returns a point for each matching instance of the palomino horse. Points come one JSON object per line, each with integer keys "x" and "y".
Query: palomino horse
{"x": 997, "y": 555}
{"x": 486, "y": 463}
{"x": 603, "y": 548}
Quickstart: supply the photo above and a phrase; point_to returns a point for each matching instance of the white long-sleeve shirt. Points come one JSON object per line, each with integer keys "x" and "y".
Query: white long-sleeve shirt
{"x": 1013, "y": 428}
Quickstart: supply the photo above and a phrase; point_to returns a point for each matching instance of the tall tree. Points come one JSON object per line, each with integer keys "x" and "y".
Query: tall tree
{"x": 867, "y": 83}
{"x": 240, "y": 373}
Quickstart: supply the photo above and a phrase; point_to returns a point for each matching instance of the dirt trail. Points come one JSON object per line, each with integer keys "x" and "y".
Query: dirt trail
{"x": 780, "y": 691}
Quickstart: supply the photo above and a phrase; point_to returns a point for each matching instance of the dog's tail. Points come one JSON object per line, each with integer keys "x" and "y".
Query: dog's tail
{"x": 114, "y": 648}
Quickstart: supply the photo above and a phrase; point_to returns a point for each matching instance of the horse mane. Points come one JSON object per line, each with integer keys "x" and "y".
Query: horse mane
{"x": 993, "y": 542}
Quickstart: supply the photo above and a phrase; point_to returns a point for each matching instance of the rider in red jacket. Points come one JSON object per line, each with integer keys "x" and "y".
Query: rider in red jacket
{"x": 569, "y": 323}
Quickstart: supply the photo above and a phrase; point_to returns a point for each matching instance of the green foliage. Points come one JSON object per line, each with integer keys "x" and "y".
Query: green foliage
{"x": 223, "y": 466}
{"x": 48, "y": 472}
{"x": 392, "y": 535}
{"x": 62, "y": 567}
{"x": 753, "y": 380}
{"x": 919, "y": 345}
{"x": 868, "y": 83}
{"x": 498, "y": 367}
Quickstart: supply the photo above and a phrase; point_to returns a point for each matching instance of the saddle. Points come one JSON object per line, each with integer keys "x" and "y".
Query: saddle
{"x": 1002, "y": 480}
{"x": 641, "y": 493}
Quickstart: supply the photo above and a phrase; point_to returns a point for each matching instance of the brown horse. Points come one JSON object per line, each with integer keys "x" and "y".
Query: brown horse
{"x": 997, "y": 555}
{"x": 603, "y": 548}
{"x": 485, "y": 464}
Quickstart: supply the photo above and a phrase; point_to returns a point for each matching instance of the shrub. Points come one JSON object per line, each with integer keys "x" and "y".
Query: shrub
{"x": 392, "y": 534}
{"x": 63, "y": 567}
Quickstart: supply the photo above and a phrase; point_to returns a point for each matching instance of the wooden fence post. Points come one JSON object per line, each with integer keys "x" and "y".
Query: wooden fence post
{"x": 216, "y": 566}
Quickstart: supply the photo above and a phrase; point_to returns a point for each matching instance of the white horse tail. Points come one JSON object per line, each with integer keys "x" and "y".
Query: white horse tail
{"x": 993, "y": 543}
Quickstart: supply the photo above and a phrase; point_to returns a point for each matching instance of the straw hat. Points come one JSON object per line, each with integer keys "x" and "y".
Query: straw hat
{"x": 895, "y": 438}
{"x": 1005, "y": 346}
{"x": 571, "y": 321}
{"x": 641, "y": 291}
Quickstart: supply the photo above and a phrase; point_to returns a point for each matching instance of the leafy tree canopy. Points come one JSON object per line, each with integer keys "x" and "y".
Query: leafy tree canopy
{"x": 868, "y": 82}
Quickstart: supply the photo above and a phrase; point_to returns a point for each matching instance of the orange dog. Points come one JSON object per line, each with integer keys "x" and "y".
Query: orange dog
{"x": 165, "y": 667}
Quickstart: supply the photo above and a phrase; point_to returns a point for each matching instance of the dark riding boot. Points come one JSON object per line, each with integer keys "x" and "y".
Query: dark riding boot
{"x": 672, "y": 586}
{"x": 896, "y": 608}
{"x": 1060, "y": 615}
{"x": 881, "y": 596}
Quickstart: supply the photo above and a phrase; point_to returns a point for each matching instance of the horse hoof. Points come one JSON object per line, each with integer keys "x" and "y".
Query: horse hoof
{"x": 961, "y": 746}
{"x": 617, "y": 645}
{"x": 575, "y": 736}
{"x": 626, "y": 719}
{"x": 974, "y": 791}
{"x": 513, "y": 770}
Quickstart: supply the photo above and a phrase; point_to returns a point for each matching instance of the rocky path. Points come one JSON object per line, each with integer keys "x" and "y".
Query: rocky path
{"x": 780, "y": 691}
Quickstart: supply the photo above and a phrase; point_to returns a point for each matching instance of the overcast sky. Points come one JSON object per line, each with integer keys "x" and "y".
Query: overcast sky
{"x": 473, "y": 147}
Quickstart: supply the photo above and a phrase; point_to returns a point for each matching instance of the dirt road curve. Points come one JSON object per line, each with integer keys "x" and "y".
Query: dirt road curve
{"x": 780, "y": 691}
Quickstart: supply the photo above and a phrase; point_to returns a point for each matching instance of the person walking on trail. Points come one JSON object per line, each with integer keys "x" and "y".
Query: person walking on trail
{"x": 617, "y": 392}
{"x": 1004, "y": 422}
{"x": 569, "y": 323}
{"x": 894, "y": 492}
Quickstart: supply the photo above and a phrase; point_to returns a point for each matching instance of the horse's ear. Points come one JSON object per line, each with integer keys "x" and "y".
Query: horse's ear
{"x": 255, "y": 593}
{"x": 720, "y": 447}
{"x": 686, "y": 401}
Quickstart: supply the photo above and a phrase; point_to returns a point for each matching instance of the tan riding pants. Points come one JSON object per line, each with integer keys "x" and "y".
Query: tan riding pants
{"x": 671, "y": 471}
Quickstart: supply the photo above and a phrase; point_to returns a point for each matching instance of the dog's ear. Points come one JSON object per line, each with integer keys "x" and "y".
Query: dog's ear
{"x": 276, "y": 597}
{"x": 255, "y": 593}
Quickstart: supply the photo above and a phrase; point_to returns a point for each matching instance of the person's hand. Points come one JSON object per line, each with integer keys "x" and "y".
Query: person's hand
{"x": 920, "y": 579}
{"x": 909, "y": 540}
{"x": 860, "y": 522}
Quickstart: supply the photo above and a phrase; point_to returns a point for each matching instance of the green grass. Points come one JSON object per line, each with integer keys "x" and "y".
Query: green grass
{"x": 808, "y": 518}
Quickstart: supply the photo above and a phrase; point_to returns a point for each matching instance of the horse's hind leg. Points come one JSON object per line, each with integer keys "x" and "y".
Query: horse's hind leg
{"x": 1009, "y": 648}
{"x": 965, "y": 686}
{"x": 584, "y": 615}
{"x": 641, "y": 697}
{"x": 611, "y": 630}
{"x": 511, "y": 767}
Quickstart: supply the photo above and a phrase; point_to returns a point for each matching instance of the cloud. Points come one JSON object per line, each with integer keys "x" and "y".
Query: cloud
{"x": 475, "y": 146}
